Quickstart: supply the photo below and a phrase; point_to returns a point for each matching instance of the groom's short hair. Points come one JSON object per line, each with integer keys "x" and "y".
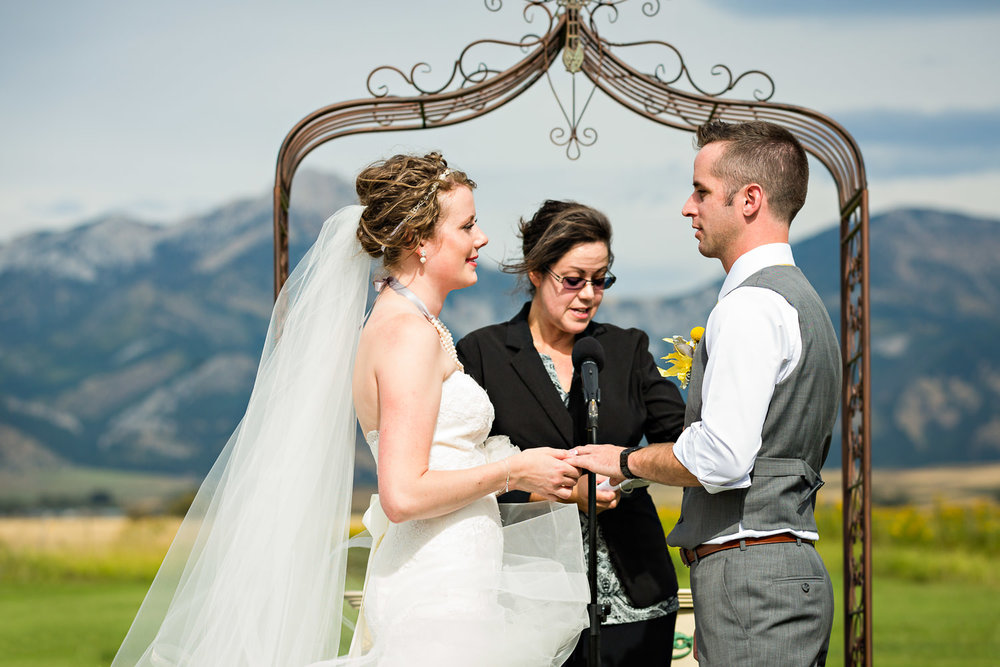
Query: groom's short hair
{"x": 763, "y": 153}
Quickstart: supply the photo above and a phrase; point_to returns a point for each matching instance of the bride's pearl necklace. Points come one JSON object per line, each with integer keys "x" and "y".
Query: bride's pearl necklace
{"x": 447, "y": 342}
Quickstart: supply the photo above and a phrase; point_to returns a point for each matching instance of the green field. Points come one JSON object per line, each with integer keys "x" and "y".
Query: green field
{"x": 65, "y": 622}
{"x": 935, "y": 593}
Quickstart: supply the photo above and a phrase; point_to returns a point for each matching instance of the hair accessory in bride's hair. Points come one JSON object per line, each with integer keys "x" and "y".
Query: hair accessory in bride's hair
{"x": 420, "y": 204}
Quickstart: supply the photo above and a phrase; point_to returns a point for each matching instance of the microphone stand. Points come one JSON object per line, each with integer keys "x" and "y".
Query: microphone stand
{"x": 597, "y": 613}
{"x": 588, "y": 356}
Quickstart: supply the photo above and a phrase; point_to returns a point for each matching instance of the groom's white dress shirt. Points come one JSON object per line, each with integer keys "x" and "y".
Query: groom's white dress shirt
{"x": 753, "y": 343}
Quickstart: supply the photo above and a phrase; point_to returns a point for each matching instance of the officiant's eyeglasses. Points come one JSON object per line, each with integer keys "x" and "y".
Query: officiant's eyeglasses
{"x": 575, "y": 283}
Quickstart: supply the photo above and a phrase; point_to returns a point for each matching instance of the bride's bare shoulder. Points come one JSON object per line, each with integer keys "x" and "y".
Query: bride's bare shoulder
{"x": 399, "y": 330}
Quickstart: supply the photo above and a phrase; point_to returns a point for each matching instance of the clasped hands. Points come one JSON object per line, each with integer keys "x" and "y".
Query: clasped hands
{"x": 563, "y": 479}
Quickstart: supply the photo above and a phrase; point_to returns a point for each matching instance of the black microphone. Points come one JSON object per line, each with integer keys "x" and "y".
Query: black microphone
{"x": 588, "y": 358}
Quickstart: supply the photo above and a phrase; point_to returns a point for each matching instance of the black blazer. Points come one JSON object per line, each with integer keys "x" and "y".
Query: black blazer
{"x": 635, "y": 402}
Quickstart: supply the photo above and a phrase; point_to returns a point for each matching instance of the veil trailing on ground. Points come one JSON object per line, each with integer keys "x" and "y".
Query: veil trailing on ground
{"x": 255, "y": 575}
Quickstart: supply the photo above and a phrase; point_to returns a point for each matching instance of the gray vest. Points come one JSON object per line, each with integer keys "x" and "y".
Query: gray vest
{"x": 796, "y": 434}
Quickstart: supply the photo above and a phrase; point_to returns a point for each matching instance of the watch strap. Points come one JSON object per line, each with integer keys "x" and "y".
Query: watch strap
{"x": 623, "y": 462}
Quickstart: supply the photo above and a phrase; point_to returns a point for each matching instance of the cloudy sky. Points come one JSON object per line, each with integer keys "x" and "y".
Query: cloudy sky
{"x": 165, "y": 109}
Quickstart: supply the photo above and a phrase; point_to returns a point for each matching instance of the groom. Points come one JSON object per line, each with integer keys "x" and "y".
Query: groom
{"x": 763, "y": 398}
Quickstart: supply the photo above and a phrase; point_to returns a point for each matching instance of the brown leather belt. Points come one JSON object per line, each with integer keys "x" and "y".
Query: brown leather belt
{"x": 689, "y": 556}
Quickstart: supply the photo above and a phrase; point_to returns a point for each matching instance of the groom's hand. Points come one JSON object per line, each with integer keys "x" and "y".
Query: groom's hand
{"x": 602, "y": 459}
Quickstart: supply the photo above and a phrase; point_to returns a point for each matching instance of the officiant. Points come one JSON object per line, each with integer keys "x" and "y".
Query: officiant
{"x": 526, "y": 366}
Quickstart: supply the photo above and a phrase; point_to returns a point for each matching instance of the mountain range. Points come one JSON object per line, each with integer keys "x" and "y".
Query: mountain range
{"x": 133, "y": 346}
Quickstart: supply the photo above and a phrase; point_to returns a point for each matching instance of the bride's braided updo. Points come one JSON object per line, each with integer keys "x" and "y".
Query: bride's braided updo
{"x": 401, "y": 204}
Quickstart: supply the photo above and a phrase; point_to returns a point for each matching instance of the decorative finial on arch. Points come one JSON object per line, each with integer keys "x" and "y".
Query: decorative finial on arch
{"x": 573, "y": 54}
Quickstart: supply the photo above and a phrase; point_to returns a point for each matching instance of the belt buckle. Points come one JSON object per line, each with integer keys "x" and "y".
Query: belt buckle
{"x": 684, "y": 556}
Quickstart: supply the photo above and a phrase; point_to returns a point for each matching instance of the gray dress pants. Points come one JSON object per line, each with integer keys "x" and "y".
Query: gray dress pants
{"x": 765, "y": 604}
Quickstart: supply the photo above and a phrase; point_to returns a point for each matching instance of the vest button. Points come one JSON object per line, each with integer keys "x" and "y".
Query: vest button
{"x": 805, "y": 588}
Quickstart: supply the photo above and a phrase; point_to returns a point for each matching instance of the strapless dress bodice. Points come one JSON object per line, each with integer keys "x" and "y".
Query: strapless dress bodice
{"x": 464, "y": 420}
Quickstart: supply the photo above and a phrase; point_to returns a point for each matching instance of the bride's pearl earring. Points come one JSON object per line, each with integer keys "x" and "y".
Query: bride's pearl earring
{"x": 423, "y": 256}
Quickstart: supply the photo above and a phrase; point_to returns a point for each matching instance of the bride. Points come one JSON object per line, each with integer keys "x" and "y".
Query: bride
{"x": 256, "y": 573}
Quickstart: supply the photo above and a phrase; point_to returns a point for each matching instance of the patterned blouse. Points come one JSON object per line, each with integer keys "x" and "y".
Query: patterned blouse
{"x": 609, "y": 588}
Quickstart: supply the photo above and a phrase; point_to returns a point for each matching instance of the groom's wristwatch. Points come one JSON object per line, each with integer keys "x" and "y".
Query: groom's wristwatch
{"x": 623, "y": 462}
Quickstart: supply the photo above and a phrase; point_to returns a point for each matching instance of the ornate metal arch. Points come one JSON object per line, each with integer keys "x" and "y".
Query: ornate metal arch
{"x": 475, "y": 91}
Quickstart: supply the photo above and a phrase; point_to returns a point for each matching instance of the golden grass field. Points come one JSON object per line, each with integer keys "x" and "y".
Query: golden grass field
{"x": 890, "y": 486}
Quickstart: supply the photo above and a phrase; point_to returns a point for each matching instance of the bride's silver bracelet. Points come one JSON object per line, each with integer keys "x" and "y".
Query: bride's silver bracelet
{"x": 506, "y": 483}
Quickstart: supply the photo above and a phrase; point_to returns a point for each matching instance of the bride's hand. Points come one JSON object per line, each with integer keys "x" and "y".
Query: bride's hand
{"x": 542, "y": 470}
{"x": 606, "y": 499}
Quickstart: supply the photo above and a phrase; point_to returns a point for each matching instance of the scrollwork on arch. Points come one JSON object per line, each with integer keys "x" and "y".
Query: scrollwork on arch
{"x": 649, "y": 8}
{"x": 462, "y": 74}
{"x": 682, "y": 72}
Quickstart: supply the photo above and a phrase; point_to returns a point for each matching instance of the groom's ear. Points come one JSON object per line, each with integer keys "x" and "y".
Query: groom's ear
{"x": 752, "y": 198}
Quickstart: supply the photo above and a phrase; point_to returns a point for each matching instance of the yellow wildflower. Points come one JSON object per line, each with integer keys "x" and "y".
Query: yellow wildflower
{"x": 682, "y": 356}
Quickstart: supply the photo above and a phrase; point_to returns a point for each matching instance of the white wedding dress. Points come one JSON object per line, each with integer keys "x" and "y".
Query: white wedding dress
{"x": 468, "y": 588}
{"x": 255, "y": 576}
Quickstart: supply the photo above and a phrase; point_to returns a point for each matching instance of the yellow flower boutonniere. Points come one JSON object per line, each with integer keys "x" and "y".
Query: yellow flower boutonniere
{"x": 682, "y": 356}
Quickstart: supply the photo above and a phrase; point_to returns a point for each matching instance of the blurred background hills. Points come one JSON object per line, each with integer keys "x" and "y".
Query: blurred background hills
{"x": 126, "y": 346}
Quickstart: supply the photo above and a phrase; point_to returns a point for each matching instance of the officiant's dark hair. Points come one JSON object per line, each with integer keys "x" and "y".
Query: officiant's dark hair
{"x": 556, "y": 228}
{"x": 763, "y": 153}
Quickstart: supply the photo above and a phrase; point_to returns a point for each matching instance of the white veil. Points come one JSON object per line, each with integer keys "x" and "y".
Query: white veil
{"x": 255, "y": 575}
